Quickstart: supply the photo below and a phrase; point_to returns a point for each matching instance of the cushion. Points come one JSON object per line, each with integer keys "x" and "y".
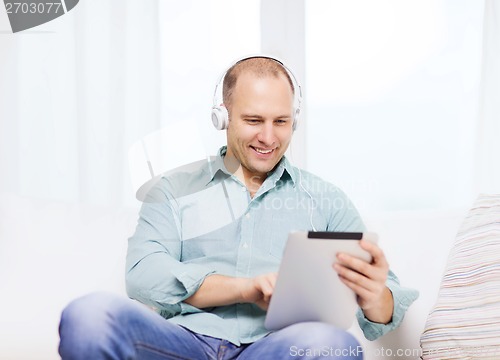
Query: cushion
{"x": 465, "y": 320}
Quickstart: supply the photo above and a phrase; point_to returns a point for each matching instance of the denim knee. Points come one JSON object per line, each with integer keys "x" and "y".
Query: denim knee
{"x": 88, "y": 326}
{"x": 325, "y": 339}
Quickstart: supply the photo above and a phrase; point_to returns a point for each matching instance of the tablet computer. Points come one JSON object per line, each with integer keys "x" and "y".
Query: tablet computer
{"x": 307, "y": 287}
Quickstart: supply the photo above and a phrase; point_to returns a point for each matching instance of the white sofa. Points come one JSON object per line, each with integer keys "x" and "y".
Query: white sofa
{"x": 416, "y": 244}
{"x": 52, "y": 252}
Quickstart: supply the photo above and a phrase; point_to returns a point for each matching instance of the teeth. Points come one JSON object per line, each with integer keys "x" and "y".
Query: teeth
{"x": 263, "y": 151}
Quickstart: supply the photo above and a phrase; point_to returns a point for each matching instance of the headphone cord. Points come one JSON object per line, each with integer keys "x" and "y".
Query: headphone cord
{"x": 311, "y": 208}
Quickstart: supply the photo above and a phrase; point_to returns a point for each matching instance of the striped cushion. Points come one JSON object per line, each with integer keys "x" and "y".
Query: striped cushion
{"x": 465, "y": 321}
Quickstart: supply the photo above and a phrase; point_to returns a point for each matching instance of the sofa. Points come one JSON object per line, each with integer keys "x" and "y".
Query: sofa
{"x": 52, "y": 252}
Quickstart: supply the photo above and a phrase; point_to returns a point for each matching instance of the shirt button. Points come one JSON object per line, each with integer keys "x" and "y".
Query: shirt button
{"x": 247, "y": 215}
{"x": 245, "y": 245}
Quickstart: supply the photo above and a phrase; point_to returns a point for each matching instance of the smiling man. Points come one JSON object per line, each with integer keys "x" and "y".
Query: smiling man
{"x": 209, "y": 242}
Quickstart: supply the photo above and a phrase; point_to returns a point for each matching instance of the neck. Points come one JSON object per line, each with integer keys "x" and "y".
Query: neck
{"x": 252, "y": 181}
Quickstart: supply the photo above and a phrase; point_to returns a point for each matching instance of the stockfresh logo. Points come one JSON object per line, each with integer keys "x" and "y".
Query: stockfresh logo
{"x": 27, "y": 14}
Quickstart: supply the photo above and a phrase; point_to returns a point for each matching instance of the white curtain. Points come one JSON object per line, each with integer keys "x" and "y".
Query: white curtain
{"x": 488, "y": 142}
{"x": 75, "y": 93}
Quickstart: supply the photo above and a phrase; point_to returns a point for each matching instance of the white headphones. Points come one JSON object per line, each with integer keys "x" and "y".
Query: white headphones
{"x": 220, "y": 116}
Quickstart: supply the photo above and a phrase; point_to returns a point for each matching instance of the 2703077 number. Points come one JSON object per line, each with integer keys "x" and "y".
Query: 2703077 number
{"x": 32, "y": 8}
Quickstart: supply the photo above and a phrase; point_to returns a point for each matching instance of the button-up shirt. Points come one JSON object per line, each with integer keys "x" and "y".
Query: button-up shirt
{"x": 201, "y": 220}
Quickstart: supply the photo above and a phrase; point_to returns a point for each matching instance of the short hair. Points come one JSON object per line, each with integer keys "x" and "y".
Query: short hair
{"x": 259, "y": 66}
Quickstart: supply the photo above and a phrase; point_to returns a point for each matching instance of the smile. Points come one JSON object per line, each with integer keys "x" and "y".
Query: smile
{"x": 262, "y": 151}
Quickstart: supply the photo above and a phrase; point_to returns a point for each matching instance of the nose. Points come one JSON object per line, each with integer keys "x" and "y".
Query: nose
{"x": 266, "y": 134}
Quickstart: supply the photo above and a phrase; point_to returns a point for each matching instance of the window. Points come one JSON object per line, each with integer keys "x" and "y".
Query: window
{"x": 392, "y": 94}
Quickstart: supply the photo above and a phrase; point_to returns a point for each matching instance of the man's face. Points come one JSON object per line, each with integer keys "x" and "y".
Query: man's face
{"x": 260, "y": 123}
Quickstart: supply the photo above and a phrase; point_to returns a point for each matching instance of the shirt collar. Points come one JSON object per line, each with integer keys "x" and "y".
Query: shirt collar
{"x": 281, "y": 170}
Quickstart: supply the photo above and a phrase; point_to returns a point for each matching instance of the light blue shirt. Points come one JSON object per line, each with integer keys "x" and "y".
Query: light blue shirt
{"x": 203, "y": 221}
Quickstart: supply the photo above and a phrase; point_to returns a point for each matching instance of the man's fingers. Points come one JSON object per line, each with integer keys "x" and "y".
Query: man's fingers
{"x": 361, "y": 292}
{"x": 265, "y": 285}
{"x": 355, "y": 277}
{"x": 272, "y": 279}
{"x": 354, "y": 263}
{"x": 376, "y": 270}
{"x": 375, "y": 251}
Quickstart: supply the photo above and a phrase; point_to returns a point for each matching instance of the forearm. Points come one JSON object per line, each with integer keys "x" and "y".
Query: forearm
{"x": 218, "y": 290}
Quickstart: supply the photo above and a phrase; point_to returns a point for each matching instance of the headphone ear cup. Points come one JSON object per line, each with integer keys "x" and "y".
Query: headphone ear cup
{"x": 220, "y": 117}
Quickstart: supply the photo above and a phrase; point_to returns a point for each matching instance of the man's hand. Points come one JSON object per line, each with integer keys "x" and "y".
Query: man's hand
{"x": 367, "y": 280}
{"x": 219, "y": 290}
{"x": 258, "y": 290}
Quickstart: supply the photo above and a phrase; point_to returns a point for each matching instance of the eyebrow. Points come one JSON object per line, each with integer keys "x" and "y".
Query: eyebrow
{"x": 253, "y": 116}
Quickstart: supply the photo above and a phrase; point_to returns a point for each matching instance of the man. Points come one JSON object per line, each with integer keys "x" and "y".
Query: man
{"x": 208, "y": 244}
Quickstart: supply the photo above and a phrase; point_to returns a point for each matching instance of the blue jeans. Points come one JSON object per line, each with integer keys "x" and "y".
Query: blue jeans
{"x": 107, "y": 326}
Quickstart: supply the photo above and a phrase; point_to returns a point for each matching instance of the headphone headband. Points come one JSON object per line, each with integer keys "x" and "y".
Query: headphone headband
{"x": 220, "y": 116}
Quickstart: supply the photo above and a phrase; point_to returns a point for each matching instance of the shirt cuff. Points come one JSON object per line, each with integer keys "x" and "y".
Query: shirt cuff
{"x": 191, "y": 279}
{"x": 403, "y": 298}
{"x": 190, "y": 276}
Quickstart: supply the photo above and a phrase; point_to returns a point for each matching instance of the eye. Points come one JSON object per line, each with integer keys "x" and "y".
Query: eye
{"x": 253, "y": 121}
{"x": 281, "y": 121}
